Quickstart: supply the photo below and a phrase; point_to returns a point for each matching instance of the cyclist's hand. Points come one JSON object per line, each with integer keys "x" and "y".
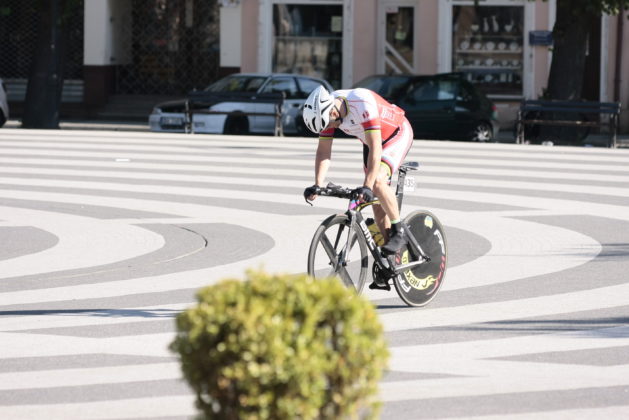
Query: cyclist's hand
{"x": 311, "y": 192}
{"x": 363, "y": 193}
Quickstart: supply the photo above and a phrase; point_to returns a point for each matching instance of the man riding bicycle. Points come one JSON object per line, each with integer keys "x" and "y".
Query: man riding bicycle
{"x": 387, "y": 137}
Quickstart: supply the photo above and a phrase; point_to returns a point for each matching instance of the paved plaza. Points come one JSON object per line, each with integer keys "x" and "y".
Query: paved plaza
{"x": 106, "y": 236}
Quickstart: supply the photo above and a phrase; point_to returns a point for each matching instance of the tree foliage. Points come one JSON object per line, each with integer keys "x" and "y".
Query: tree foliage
{"x": 571, "y": 32}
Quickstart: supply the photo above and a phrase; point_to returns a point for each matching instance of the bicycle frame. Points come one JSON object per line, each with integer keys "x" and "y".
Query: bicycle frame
{"x": 344, "y": 242}
{"x": 357, "y": 224}
{"x": 356, "y": 218}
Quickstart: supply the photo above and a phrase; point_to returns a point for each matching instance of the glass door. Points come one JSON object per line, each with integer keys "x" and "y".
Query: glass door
{"x": 397, "y": 51}
{"x": 307, "y": 40}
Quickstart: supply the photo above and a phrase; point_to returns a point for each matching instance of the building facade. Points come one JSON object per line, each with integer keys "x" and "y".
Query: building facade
{"x": 168, "y": 47}
{"x": 503, "y": 46}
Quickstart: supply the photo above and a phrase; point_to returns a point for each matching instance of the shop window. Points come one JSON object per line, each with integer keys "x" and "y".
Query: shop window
{"x": 308, "y": 41}
{"x": 487, "y": 43}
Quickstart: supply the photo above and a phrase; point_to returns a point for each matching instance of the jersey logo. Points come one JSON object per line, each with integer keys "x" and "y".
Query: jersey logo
{"x": 386, "y": 114}
{"x": 366, "y": 115}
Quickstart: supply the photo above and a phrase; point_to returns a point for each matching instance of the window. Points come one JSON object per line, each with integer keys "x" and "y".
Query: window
{"x": 487, "y": 47}
{"x": 387, "y": 87}
{"x": 466, "y": 93}
{"x": 434, "y": 90}
{"x": 399, "y": 40}
{"x": 308, "y": 40}
{"x": 284, "y": 85}
{"x": 237, "y": 84}
{"x": 307, "y": 86}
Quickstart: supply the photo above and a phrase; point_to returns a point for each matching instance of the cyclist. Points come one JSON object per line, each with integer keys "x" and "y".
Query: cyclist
{"x": 387, "y": 137}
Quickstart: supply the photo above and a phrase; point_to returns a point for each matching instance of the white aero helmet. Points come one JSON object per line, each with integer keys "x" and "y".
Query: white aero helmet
{"x": 317, "y": 109}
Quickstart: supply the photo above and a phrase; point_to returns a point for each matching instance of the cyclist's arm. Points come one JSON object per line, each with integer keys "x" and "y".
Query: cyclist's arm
{"x": 322, "y": 161}
{"x": 373, "y": 138}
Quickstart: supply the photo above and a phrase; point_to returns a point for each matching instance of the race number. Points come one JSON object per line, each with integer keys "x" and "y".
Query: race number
{"x": 409, "y": 184}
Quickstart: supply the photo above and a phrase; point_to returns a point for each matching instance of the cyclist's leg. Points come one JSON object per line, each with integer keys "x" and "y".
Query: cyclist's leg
{"x": 394, "y": 152}
{"x": 381, "y": 188}
{"x": 387, "y": 210}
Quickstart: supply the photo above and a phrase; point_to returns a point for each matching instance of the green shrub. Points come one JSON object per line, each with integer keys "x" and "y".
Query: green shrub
{"x": 282, "y": 347}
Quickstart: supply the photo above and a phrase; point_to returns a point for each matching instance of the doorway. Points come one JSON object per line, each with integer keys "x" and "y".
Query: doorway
{"x": 397, "y": 40}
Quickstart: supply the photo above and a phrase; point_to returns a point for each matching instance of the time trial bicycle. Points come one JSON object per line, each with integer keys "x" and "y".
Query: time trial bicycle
{"x": 342, "y": 243}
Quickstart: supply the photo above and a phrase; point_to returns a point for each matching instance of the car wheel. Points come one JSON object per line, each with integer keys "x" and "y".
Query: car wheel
{"x": 482, "y": 132}
{"x": 238, "y": 124}
{"x": 2, "y": 119}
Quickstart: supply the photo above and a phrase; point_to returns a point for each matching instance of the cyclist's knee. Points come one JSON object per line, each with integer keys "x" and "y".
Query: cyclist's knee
{"x": 381, "y": 184}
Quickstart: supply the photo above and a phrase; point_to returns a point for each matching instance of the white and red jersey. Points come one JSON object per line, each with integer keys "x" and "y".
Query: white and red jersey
{"x": 366, "y": 111}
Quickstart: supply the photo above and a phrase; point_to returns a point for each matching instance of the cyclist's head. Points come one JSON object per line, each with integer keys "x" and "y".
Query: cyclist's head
{"x": 317, "y": 109}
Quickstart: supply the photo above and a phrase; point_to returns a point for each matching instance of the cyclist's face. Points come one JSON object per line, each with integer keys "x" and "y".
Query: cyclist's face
{"x": 335, "y": 116}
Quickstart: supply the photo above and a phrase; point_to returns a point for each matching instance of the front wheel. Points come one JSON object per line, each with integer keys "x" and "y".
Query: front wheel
{"x": 336, "y": 250}
{"x": 419, "y": 285}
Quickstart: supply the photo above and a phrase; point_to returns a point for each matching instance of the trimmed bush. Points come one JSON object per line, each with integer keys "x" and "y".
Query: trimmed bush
{"x": 282, "y": 347}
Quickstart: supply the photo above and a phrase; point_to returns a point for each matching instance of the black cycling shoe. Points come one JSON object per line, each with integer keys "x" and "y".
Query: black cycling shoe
{"x": 377, "y": 286}
{"x": 396, "y": 241}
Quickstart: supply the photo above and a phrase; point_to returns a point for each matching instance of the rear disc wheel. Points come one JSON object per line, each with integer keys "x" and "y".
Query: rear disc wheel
{"x": 417, "y": 286}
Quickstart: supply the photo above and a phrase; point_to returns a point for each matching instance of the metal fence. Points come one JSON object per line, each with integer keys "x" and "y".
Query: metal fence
{"x": 174, "y": 46}
{"x": 19, "y": 27}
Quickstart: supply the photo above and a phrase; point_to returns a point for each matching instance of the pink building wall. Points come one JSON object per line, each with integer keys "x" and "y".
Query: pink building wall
{"x": 365, "y": 39}
{"x": 365, "y": 52}
{"x": 250, "y": 12}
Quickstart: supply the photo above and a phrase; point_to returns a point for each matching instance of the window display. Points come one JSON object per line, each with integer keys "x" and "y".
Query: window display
{"x": 487, "y": 43}
{"x": 308, "y": 41}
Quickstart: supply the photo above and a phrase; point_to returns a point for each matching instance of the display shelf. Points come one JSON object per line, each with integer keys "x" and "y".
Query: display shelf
{"x": 519, "y": 52}
{"x": 492, "y": 69}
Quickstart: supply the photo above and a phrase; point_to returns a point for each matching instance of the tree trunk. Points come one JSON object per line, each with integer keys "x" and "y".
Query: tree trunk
{"x": 45, "y": 83}
{"x": 570, "y": 36}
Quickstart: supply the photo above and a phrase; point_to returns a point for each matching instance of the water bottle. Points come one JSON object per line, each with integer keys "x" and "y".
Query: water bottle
{"x": 375, "y": 232}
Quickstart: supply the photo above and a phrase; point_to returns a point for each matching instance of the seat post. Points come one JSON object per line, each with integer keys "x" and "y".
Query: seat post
{"x": 399, "y": 189}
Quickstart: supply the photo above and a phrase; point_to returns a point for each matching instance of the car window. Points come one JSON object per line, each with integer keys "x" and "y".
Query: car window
{"x": 433, "y": 90}
{"x": 307, "y": 86}
{"x": 284, "y": 85}
{"x": 385, "y": 86}
{"x": 237, "y": 84}
{"x": 466, "y": 93}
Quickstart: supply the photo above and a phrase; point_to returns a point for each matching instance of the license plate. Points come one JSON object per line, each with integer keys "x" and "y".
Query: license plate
{"x": 409, "y": 184}
{"x": 171, "y": 121}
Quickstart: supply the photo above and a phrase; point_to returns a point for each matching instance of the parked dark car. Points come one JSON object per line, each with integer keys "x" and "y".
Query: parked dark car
{"x": 441, "y": 106}
{"x": 240, "y": 102}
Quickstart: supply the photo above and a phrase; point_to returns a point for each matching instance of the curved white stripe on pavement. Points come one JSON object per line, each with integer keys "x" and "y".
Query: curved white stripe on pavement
{"x": 562, "y": 303}
{"x": 83, "y": 242}
{"x": 519, "y": 249}
{"x": 132, "y": 408}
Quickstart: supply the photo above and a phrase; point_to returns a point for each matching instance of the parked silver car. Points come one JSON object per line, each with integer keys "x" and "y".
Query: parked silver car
{"x": 240, "y": 104}
{"x": 4, "y": 104}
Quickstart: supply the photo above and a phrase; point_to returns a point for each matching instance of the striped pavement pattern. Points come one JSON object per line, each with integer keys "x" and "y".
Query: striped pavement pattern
{"x": 106, "y": 236}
